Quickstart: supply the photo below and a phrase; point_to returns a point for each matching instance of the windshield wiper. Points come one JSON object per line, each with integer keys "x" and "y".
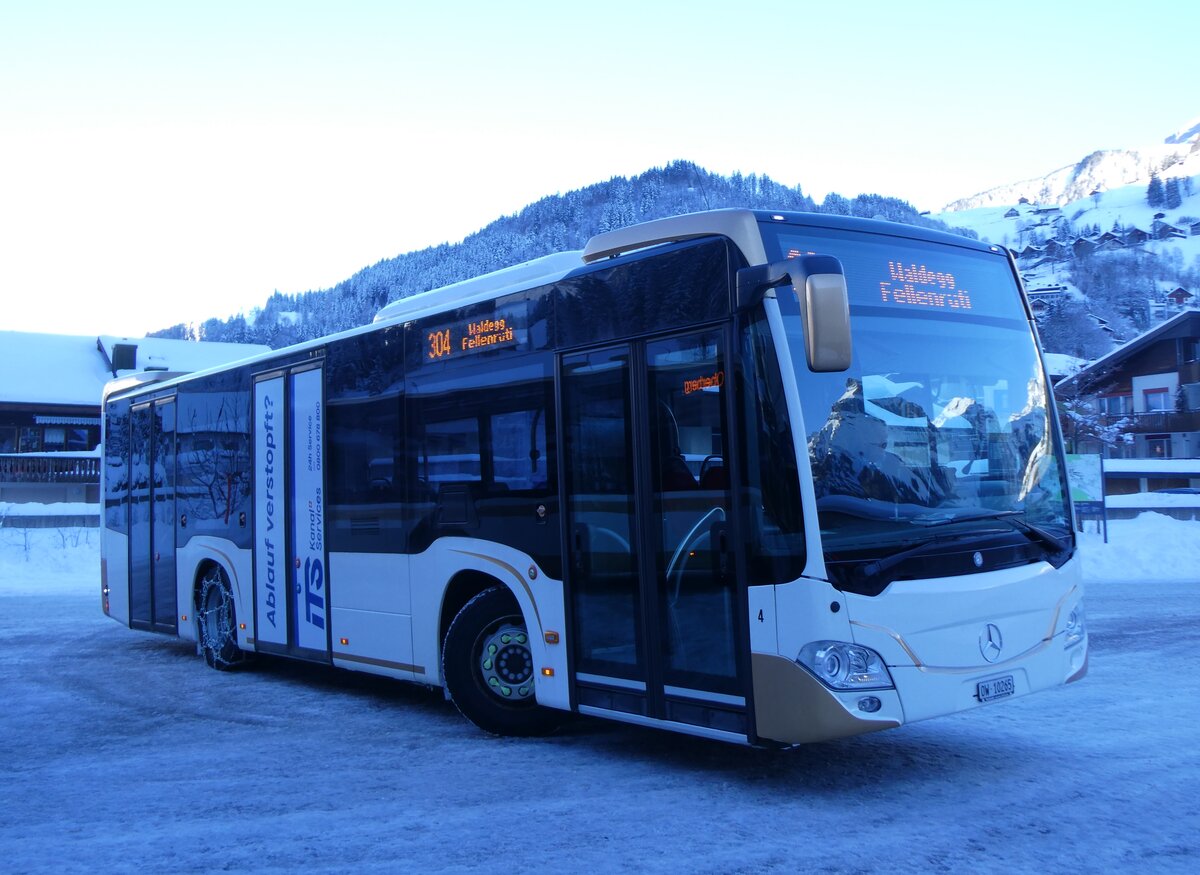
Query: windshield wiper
{"x": 1016, "y": 517}
{"x": 878, "y": 566}
{"x": 1057, "y": 549}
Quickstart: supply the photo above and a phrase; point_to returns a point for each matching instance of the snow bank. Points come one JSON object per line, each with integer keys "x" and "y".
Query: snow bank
{"x": 1152, "y": 546}
{"x": 50, "y": 561}
{"x": 1150, "y": 500}
{"x": 52, "y": 508}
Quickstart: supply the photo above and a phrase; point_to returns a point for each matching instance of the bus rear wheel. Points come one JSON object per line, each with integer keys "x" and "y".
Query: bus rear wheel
{"x": 488, "y": 667}
{"x": 217, "y": 621}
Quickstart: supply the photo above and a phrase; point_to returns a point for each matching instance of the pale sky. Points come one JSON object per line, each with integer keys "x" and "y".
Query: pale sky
{"x": 165, "y": 162}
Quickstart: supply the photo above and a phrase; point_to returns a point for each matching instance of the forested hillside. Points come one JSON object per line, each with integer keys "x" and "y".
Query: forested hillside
{"x": 552, "y": 224}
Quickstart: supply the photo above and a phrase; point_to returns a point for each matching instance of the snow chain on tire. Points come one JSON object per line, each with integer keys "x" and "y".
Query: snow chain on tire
{"x": 217, "y": 621}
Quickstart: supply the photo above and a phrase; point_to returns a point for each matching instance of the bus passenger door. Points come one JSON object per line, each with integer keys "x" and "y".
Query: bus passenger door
{"x": 141, "y": 584}
{"x": 152, "y": 600}
{"x": 162, "y": 485}
{"x": 654, "y": 603}
{"x": 291, "y": 589}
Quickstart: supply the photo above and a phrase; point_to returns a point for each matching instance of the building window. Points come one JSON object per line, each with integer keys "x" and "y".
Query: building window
{"x": 1158, "y": 446}
{"x": 79, "y": 439}
{"x": 31, "y": 440}
{"x": 1157, "y": 400}
{"x": 1191, "y": 396}
{"x": 54, "y": 439}
{"x": 1115, "y": 405}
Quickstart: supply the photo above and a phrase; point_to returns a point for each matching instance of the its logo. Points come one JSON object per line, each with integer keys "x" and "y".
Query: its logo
{"x": 314, "y": 596}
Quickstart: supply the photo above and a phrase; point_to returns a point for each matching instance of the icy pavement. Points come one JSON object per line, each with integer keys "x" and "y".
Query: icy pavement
{"x": 124, "y": 752}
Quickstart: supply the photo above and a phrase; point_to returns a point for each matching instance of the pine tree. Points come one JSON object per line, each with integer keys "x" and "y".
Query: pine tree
{"x": 1154, "y": 192}
{"x": 836, "y": 204}
{"x": 1172, "y": 196}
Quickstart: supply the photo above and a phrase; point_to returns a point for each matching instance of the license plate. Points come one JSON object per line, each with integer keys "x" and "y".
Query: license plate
{"x": 996, "y": 688}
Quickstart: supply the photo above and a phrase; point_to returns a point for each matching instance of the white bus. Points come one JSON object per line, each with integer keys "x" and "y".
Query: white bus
{"x": 765, "y": 478}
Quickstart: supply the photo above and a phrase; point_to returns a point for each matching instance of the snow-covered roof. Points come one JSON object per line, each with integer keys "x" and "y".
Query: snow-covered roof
{"x": 1100, "y": 365}
{"x": 157, "y": 353}
{"x": 72, "y": 369}
{"x": 1061, "y": 364}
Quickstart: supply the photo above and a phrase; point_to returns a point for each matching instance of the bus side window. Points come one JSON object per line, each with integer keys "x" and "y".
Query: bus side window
{"x": 450, "y": 452}
{"x": 518, "y": 450}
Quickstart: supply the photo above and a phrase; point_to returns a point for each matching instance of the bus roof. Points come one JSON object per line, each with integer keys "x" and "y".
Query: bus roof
{"x": 518, "y": 277}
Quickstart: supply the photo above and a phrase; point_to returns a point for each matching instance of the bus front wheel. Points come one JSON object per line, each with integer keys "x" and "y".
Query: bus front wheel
{"x": 217, "y": 620}
{"x": 488, "y": 667}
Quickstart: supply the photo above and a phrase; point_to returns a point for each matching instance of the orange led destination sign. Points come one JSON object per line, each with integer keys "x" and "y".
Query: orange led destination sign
{"x": 712, "y": 381}
{"x": 469, "y": 337}
{"x": 918, "y": 286}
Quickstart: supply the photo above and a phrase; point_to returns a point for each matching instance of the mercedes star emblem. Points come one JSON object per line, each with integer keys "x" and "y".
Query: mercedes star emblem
{"x": 991, "y": 642}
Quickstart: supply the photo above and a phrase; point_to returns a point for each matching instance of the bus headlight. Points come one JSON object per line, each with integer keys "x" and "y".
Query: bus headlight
{"x": 1075, "y": 628}
{"x": 843, "y": 666}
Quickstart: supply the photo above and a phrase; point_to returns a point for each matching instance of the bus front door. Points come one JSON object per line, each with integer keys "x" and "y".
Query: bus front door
{"x": 654, "y": 601}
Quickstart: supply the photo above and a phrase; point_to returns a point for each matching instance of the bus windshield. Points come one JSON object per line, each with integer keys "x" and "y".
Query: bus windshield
{"x": 942, "y": 419}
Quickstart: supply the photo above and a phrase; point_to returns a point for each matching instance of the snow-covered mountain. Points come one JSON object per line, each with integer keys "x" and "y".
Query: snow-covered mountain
{"x": 1101, "y": 258}
{"x": 1177, "y": 155}
{"x": 1187, "y": 133}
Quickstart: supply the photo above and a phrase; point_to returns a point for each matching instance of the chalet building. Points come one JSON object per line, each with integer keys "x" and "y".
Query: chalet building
{"x": 1180, "y": 297}
{"x": 1045, "y": 299}
{"x": 1194, "y": 229}
{"x": 1165, "y": 231}
{"x": 1012, "y": 213}
{"x": 50, "y": 393}
{"x": 1082, "y": 246}
{"x": 1141, "y": 404}
{"x": 1135, "y": 236}
{"x": 1055, "y": 249}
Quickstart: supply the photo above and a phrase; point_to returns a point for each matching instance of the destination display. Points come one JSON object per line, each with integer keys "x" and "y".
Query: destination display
{"x": 463, "y": 339}
{"x": 918, "y": 286}
{"x": 503, "y": 330}
{"x": 911, "y": 284}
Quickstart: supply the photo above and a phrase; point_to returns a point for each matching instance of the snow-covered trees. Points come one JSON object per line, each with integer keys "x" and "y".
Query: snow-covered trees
{"x": 1155, "y": 195}
{"x": 1172, "y": 197}
{"x": 552, "y": 224}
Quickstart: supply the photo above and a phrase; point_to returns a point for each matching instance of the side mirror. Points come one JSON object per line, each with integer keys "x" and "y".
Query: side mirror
{"x": 819, "y": 284}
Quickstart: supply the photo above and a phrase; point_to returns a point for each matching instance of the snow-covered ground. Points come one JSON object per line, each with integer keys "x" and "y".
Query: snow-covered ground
{"x": 123, "y": 752}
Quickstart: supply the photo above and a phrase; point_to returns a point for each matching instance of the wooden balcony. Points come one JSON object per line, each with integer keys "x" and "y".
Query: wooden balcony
{"x": 1159, "y": 422}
